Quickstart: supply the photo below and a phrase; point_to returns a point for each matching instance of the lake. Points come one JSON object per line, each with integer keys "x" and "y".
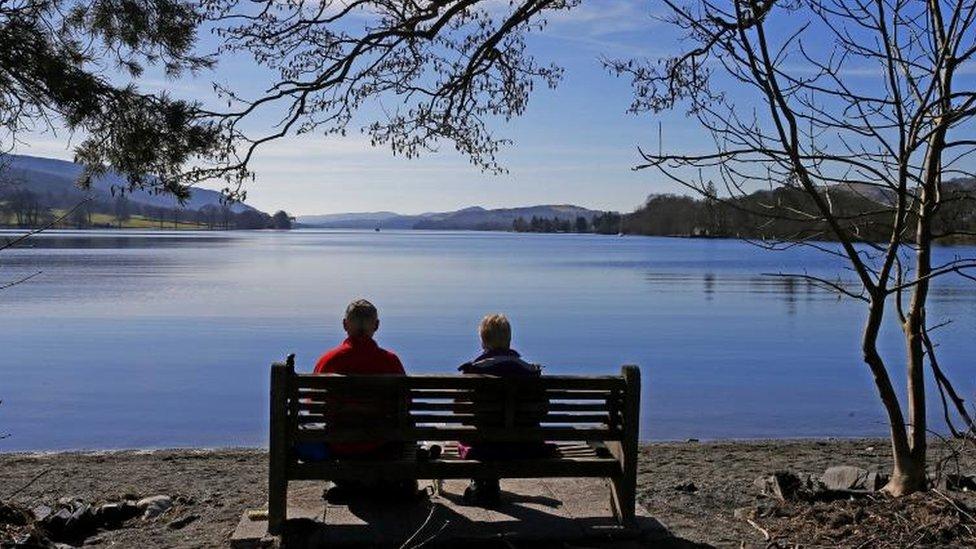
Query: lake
{"x": 155, "y": 339}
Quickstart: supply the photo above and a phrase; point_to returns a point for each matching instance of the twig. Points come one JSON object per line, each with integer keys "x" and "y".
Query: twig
{"x": 762, "y": 530}
{"x": 866, "y": 542}
{"x": 434, "y": 535}
{"x": 5, "y": 285}
{"x": 433, "y": 509}
{"x": 954, "y": 504}
{"x": 32, "y": 232}
{"x": 31, "y": 481}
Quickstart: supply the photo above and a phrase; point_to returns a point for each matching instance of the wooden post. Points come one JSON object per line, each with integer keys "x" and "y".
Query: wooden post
{"x": 281, "y": 381}
{"x": 623, "y": 488}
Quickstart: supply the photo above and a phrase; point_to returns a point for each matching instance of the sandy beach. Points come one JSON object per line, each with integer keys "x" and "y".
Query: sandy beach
{"x": 693, "y": 488}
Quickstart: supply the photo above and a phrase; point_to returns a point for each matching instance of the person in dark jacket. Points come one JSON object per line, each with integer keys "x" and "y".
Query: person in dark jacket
{"x": 497, "y": 359}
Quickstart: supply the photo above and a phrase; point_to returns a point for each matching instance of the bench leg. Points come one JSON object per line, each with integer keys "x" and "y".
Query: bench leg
{"x": 277, "y": 507}
{"x": 623, "y": 500}
{"x": 624, "y": 485}
{"x": 278, "y": 444}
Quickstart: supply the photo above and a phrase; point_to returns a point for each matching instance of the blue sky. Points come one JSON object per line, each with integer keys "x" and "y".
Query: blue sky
{"x": 574, "y": 145}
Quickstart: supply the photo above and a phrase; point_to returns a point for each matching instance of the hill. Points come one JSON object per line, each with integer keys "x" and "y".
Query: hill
{"x": 58, "y": 178}
{"x": 474, "y": 218}
{"x": 35, "y": 191}
{"x": 360, "y": 220}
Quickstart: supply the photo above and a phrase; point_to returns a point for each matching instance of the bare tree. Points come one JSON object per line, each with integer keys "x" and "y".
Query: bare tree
{"x": 819, "y": 97}
{"x": 437, "y": 69}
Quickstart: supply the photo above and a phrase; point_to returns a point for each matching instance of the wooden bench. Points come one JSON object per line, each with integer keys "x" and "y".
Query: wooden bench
{"x": 592, "y": 420}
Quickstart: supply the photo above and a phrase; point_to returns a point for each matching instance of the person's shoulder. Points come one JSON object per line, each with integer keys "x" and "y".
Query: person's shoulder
{"x": 392, "y": 359}
{"x": 336, "y": 351}
{"x": 330, "y": 357}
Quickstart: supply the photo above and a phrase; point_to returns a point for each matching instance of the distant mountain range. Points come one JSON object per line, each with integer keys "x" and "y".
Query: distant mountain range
{"x": 58, "y": 178}
{"x": 474, "y": 218}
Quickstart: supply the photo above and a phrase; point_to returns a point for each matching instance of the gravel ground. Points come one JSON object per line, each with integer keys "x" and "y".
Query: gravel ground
{"x": 216, "y": 486}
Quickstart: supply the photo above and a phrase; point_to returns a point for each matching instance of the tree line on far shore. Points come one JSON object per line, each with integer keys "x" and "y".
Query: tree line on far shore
{"x": 601, "y": 223}
{"x": 790, "y": 214}
{"x": 20, "y": 207}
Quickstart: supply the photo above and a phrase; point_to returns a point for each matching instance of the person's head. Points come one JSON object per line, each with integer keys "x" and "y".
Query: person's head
{"x": 496, "y": 333}
{"x": 361, "y": 319}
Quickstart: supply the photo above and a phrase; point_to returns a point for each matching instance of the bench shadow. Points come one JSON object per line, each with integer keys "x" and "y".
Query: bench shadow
{"x": 442, "y": 521}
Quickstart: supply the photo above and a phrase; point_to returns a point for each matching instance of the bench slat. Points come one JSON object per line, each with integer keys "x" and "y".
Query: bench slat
{"x": 457, "y": 469}
{"x": 471, "y": 382}
{"x": 471, "y": 407}
{"x": 549, "y": 418}
{"x": 517, "y": 434}
{"x": 456, "y": 407}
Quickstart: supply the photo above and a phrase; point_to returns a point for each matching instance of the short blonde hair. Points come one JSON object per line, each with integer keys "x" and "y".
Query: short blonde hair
{"x": 496, "y": 332}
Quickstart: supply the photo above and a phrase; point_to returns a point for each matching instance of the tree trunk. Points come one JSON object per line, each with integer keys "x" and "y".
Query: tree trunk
{"x": 908, "y": 476}
{"x": 909, "y": 472}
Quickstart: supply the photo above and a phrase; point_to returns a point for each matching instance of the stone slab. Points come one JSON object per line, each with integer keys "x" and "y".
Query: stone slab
{"x": 532, "y": 512}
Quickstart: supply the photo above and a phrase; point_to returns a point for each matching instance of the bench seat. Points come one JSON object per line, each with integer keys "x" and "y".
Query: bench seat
{"x": 569, "y": 460}
{"x": 592, "y": 420}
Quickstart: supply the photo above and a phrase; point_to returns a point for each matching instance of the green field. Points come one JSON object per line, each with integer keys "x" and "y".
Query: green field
{"x": 102, "y": 221}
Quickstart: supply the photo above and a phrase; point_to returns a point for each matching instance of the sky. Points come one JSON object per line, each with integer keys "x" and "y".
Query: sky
{"x": 574, "y": 145}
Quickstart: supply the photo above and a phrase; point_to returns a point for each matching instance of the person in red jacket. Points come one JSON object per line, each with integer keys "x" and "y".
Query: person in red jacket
{"x": 359, "y": 354}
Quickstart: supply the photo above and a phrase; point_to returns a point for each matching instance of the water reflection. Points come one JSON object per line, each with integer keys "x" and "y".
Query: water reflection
{"x": 788, "y": 290}
{"x": 136, "y": 336}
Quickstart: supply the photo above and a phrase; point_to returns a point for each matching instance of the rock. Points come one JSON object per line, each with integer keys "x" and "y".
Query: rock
{"x": 154, "y": 506}
{"x": 846, "y": 477}
{"x": 959, "y": 483}
{"x": 743, "y": 513}
{"x": 766, "y": 509}
{"x": 69, "y": 501}
{"x": 41, "y": 512}
{"x": 182, "y": 522}
{"x": 782, "y": 485}
{"x": 82, "y": 520}
{"x": 686, "y": 487}
{"x": 71, "y": 524}
{"x": 56, "y": 523}
{"x": 13, "y": 515}
{"x": 114, "y": 514}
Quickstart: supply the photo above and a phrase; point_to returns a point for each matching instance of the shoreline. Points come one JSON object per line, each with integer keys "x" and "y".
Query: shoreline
{"x": 148, "y": 450}
{"x": 955, "y": 243}
{"x": 695, "y": 489}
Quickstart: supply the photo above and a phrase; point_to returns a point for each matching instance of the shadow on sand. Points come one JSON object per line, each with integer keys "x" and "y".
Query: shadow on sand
{"x": 518, "y": 521}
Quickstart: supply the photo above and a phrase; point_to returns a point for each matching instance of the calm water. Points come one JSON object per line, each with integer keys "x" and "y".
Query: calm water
{"x": 134, "y": 339}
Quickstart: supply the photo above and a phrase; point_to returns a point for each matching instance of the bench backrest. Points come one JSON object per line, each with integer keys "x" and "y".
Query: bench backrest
{"x": 334, "y": 408}
{"x": 448, "y": 408}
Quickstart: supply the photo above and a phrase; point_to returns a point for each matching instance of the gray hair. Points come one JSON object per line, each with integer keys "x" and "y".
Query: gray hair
{"x": 361, "y": 317}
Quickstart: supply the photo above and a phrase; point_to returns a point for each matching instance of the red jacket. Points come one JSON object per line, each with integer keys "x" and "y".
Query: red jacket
{"x": 358, "y": 356}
